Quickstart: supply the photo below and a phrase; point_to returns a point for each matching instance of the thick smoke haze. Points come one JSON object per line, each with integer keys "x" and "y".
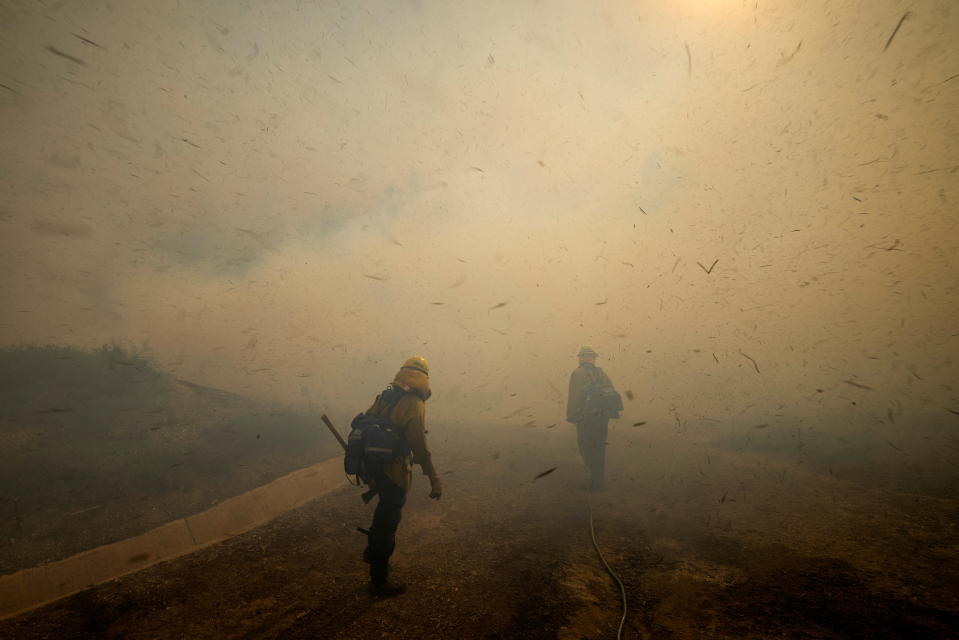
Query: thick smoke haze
{"x": 748, "y": 208}
{"x": 222, "y": 219}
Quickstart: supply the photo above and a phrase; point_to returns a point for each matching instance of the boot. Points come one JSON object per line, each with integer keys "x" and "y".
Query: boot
{"x": 380, "y": 585}
{"x": 386, "y": 589}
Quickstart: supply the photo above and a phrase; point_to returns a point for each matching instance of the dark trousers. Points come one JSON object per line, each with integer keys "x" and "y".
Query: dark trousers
{"x": 386, "y": 518}
{"x": 591, "y": 436}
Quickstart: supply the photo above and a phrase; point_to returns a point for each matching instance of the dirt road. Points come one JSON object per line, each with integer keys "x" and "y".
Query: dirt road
{"x": 710, "y": 543}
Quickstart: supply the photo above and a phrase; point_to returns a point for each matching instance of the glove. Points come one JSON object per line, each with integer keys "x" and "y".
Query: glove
{"x": 436, "y": 487}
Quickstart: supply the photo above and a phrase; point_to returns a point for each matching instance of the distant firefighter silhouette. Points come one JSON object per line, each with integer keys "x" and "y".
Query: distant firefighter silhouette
{"x": 591, "y": 404}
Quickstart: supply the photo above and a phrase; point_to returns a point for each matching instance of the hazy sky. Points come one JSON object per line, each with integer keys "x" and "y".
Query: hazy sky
{"x": 286, "y": 199}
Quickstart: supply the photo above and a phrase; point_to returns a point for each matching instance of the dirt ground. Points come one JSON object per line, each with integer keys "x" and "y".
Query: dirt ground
{"x": 710, "y": 543}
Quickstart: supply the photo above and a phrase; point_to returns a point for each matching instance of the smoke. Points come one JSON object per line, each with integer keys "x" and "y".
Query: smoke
{"x": 737, "y": 204}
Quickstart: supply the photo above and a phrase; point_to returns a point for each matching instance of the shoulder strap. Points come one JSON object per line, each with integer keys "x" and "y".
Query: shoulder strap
{"x": 391, "y": 396}
{"x": 604, "y": 378}
{"x": 397, "y": 396}
{"x": 595, "y": 377}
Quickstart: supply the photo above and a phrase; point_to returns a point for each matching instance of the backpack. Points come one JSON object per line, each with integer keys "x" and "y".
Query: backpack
{"x": 602, "y": 400}
{"x": 374, "y": 440}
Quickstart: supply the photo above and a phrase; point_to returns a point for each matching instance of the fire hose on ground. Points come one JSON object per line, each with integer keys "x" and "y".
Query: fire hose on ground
{"x": 619, "y": 583}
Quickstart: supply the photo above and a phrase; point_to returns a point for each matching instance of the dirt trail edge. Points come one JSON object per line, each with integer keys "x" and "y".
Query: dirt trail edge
{"x": 31, "y": 588}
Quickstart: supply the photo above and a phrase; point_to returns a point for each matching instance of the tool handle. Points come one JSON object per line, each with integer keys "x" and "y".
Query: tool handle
{"x": 336, "y": 434}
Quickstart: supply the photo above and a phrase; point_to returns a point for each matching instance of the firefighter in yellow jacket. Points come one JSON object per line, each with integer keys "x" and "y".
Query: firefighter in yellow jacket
{"x": 408, "y": 413}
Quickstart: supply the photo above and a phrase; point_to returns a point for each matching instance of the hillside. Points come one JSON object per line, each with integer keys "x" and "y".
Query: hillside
{"x": 97, "y": 446}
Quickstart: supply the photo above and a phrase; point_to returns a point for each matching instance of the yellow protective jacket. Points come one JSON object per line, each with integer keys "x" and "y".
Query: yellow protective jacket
{"x": 409, "y": 415}
{"x": 582, "y": 378}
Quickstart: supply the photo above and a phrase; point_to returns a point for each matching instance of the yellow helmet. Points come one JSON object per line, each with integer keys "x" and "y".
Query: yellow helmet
{"x": 417, "y": 363}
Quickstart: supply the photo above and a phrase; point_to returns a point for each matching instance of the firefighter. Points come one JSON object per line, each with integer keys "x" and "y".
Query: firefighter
{"x": 407, "y": 411}
{"x": 592, "y": 401}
